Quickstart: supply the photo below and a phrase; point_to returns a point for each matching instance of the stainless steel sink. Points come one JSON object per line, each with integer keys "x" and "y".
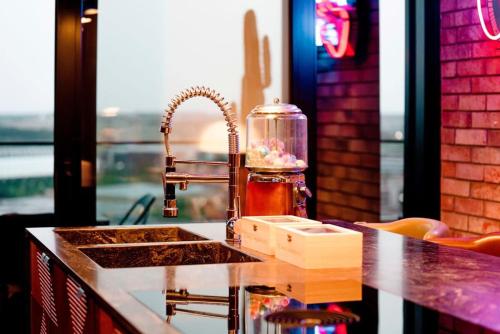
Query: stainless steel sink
{"x": 92, "y": 236}
{"x": 126, "y": 256}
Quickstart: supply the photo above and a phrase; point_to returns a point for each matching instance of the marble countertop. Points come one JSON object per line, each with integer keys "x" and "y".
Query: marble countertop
{"x": 455, "y": 282}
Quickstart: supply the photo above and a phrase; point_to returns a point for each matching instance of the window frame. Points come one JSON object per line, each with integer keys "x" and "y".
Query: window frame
{"x": 303, "y": 80}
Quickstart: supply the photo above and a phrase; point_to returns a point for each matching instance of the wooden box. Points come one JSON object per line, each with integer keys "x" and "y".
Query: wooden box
{"x": 315, "y": 247}
{"x": 258, "y": 232}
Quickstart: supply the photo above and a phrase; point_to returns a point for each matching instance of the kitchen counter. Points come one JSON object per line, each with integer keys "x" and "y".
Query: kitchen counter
{"x": 452, "y": 288}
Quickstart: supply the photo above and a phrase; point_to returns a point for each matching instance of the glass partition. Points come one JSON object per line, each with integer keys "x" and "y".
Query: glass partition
{"x": 392, "y": 107}
{"x": 27, "y": 107}
{"x": 149, "y": 53}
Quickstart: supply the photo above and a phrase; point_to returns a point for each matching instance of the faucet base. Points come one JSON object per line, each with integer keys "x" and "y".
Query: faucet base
{"x": 233, "y": 241}
{"x": 232, "y": 237}
{"x": 170, "y": 208}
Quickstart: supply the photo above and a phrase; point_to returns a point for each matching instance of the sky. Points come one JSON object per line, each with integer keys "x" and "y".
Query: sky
{"x": 148, "y": 53}
{"x": 27, "y": 56}
{"x": 392, "y": 57}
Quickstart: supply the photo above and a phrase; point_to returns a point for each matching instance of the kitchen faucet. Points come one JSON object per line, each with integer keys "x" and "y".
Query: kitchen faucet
{"x": 171, "y": 177}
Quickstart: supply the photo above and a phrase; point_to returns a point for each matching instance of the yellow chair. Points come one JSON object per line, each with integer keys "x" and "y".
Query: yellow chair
{"x": 419, "y": 228}
{"x": 487, "y": 244}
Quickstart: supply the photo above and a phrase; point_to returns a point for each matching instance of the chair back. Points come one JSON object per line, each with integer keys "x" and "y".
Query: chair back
{"x": 139, "y": 211}
{"x": 486, "y": 244}
{"x": 415, "y": 227}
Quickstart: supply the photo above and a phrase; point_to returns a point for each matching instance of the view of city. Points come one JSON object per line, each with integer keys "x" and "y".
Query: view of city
{"x": 26, "y": 171}
{"x": 125, "y": 172}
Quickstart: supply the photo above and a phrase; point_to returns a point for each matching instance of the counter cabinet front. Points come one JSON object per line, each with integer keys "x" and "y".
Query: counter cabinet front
{"x": 59, "y": 304}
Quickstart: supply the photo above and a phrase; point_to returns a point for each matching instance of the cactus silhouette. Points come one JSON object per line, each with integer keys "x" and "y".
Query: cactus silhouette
{"x": 257, "y": 76}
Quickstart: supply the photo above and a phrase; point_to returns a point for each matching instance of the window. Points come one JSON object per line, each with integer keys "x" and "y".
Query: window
{"x": 392, "y": 107}
{"x": 26, "y": 106}
{"x": 146, "y": 55}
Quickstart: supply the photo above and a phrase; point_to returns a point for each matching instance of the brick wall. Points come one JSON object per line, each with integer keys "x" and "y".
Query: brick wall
{"x": 470, "y": 132}
{"x": 348, "y": 136}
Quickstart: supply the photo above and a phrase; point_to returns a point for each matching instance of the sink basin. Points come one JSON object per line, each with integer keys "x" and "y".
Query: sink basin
{"x": 165, "y": 255}
{"x": 92, "y": 236}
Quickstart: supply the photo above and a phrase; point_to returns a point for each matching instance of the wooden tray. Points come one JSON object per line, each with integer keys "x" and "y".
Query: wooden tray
{"x": 314, "y": 247}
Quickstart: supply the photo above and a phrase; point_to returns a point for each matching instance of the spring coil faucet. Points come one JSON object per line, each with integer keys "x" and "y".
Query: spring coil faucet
{"x": 170, "y": 178}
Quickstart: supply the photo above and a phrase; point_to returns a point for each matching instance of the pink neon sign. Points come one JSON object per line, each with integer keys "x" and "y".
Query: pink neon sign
{"x": 493, "y": 12}
{"x": 335, "y": 27}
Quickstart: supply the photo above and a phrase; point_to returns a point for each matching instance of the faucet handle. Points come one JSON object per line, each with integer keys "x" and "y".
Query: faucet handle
{"x": 169, "y": 201}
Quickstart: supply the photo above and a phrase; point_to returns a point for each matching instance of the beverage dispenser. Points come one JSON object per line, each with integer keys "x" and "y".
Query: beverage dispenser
{"x": 276, "y": 157}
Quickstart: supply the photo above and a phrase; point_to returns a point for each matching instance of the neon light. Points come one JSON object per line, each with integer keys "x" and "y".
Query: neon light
{"x": 319, "y": 25}
{"x": 335, "y": 27}
{"x": 339, "y": 50}
{"x": 483, "y": 24}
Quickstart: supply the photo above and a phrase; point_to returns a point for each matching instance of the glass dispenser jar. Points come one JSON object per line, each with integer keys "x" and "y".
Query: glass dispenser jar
{"x": 276, "y": 138}
{"x": 276, "y": 157}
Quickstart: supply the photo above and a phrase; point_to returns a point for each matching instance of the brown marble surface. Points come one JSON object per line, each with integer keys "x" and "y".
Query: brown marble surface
{"x": 456, "y": 282}
{"x": 89, "y": 236}
{"x": 165, "y": 255}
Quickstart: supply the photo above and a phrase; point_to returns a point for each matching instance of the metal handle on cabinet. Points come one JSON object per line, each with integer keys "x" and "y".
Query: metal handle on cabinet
{"x": 45, "y": 258}
{"x": 255, "y": 228}
{"x": 80, "y": 293}
{"x": 289, "y": 237}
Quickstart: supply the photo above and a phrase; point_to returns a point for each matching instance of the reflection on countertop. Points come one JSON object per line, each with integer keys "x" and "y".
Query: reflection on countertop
{"x": 251, "y": 309}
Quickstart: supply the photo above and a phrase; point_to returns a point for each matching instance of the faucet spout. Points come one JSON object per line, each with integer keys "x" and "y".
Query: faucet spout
{"x": 179, "y": 178}
{"x": 184, "y": 179}
{"x": 171, "y": 177}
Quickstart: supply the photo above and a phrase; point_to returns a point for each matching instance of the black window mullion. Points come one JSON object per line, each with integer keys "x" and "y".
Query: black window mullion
{"x": 422, "y": 115}
{"x": 74, "y": 117}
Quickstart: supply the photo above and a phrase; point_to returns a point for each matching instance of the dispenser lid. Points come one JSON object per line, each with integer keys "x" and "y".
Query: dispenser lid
{"x": 276, "y": 108}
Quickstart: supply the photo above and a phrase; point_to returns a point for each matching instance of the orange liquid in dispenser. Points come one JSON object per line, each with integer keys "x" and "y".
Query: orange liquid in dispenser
{"x": 269, "y": 198}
